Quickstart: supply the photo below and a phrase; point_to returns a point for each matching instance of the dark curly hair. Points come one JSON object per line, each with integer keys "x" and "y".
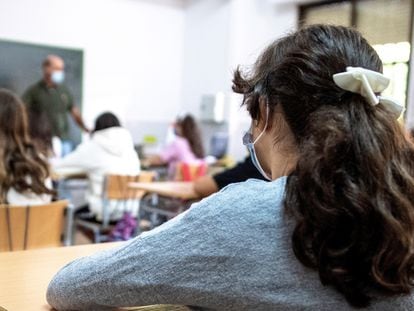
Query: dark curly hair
{"x": 105, "y": 121}
{"x": 352, "y": 190}
{"x": 22, "y": 167}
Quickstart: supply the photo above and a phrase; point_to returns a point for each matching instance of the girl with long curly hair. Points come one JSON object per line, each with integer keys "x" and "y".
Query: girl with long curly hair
{"x": 332, "y": 229}
{"x": 24, "y": 172}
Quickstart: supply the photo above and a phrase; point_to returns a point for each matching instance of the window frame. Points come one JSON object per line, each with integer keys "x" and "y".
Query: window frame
{"x": 302, "y": 8}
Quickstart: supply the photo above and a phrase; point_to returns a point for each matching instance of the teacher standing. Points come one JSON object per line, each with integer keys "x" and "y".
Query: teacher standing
{"x": 50, "y": 100}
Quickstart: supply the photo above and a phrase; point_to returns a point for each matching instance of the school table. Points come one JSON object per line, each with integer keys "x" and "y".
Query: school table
{"x": 182, "y": 190}
{"x": 69, "y": 173}
{"x": 25, "y": 275}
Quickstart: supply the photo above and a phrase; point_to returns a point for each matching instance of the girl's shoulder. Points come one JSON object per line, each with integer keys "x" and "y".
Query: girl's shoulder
{"x": 252, "y": 198}
{"x": 180, "y": 141}
{"x": 252, "y": 187}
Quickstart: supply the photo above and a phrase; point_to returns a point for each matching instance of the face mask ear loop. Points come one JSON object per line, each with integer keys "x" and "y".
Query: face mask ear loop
{"x": 265, "y": 127}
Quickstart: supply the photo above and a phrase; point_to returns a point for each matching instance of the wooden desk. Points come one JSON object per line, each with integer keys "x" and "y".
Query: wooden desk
{"x": 25, "y": 275}
{"x": 69, "y": 173}
{"x": 174, "y": 189}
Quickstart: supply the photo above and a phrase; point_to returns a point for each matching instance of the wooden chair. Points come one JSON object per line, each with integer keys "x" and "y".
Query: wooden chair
{"x": 115, "y": 189}
{"x": 35, "y": 226}
{"x": 160, "y": 208}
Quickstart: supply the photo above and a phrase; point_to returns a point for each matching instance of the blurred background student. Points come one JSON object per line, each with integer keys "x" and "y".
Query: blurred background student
{"x": 24, "y": 172}
{"x": 109, "y": 151}
{"x": 186, "y": 147}
{"x": 209, "y": 184}
{"x": 50, "y": 98}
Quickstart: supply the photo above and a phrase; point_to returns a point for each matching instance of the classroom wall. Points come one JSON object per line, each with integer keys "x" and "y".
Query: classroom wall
{"x": 206, "y": 51}
{"x": 133, "y": 51}
{"x": 255, "y": 24}
{"x": 219, "y": 35}
{"x": 148, "y": 60}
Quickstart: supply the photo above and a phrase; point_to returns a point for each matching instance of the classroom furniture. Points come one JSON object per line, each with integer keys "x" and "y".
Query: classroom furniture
{"x": 25, "y": 276}
{"x": 190, "y": 171}
{"x": 35, "y": 226}
{"x": 71, "y": 184}
{"x": 116, "y": 190}
{"x": 69, "y": 173}
{"x": 164, "y": 200}
{"x": 183, "y": 190}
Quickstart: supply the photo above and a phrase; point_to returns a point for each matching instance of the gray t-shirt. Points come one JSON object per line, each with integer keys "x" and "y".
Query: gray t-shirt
{"x": 231, "y": 251}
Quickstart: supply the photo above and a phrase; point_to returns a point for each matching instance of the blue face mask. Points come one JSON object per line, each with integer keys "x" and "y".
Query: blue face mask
{"x": 249, "y": 143}
{"x": 58, "y": 76}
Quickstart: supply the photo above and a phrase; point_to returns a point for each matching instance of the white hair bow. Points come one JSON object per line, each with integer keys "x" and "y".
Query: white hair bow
{"x": 367, "y": 82}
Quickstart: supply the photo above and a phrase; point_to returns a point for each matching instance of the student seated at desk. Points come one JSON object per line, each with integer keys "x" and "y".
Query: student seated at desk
{"x": 24, "y": 172}
{"x": 109, "y": 151}
{"x": 207, "y": 185}
{"x": 332, "y": 230}
{"x": 187, "y": 146}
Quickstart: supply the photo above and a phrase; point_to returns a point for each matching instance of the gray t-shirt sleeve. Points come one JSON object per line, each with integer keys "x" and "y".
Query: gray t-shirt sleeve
{"x": 171, "y": 264}
{"x": 221, "y": 254}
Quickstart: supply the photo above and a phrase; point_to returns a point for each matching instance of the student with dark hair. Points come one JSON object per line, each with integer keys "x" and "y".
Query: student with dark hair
{"x": 24, "y": 172}
{"x": 207, "y": 185}
{"x": 109, "y": 151}
{"x": 187, "y": 146}
{"x": 332, "y": 230}
{"x": 106, "y": 120}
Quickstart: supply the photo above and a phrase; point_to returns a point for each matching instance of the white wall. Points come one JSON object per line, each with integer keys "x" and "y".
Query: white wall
{"x": 219, "y": 35}
{"x": 133, "y": 51}
{"x": 206, "y": 51}
{"x": 254, "y": 25}
{"x": 147, "y": 60}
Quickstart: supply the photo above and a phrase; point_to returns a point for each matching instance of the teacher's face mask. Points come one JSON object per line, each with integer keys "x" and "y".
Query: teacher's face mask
{"x": 58, "y": 76}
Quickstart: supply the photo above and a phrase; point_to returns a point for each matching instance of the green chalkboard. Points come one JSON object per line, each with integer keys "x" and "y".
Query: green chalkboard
{"x": 20, "y": 67}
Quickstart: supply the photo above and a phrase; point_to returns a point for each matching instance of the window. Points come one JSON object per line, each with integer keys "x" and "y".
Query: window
{"x": 386, "y": 24}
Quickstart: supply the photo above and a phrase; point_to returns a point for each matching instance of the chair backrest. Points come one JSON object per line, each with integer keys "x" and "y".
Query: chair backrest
{"x": 190, "y": 171}
{"x": 116, "y": 186}
{"x": 30, "y": 227}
